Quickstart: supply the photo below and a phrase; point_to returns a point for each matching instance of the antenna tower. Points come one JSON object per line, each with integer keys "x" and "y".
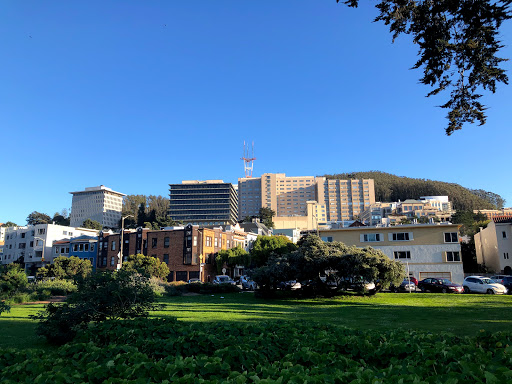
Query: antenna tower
{"x": 248, "y": 161}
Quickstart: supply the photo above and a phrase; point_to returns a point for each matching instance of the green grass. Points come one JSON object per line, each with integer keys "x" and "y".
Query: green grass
{"x": 459, "y": 314}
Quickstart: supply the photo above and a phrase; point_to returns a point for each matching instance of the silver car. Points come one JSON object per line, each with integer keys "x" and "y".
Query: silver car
{"x": 482, "y": 284}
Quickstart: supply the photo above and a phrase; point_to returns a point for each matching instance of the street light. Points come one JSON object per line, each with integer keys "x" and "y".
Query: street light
{"x": 120, "y": 258}
{"x": 42, "y": 253}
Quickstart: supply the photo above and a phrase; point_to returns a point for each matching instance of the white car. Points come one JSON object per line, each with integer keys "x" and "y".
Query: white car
{"x": 482, "y": 284}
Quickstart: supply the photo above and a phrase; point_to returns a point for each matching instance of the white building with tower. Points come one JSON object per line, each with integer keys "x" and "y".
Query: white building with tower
{"x": 101, "y": 204}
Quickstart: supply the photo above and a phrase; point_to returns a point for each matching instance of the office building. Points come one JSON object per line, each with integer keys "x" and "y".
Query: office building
{"x": 100, "y": 204}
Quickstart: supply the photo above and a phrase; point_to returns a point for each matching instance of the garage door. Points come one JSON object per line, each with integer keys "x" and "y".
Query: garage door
{"x": 436, "y": 275}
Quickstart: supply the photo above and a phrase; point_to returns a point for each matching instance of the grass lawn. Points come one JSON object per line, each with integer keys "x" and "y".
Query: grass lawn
{"x": 459, "y": 314}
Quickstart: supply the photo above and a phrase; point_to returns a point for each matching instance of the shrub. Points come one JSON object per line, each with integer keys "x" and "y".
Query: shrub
{"x": 209, "y": 288}
{"x": 158, "y": 286}
{"x": 176, "y": 288}
{"x": 4, "y": 307}
{"x": 13, "y": 279}
{"x": 56, "y": 287}
{"x": 18, "y": 298}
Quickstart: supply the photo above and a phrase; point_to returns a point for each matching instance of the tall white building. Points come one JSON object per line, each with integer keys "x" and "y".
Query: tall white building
{"x": 101, "y": 204}
{"x": 33, "y": 243}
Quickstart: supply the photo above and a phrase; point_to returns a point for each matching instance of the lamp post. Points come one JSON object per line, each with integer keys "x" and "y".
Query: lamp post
{"x": 121, "y": 245}
{"x": 42, "y": 253}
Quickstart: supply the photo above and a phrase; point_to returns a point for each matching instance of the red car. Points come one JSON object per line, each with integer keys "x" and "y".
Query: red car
{"x": 439, "y": 285}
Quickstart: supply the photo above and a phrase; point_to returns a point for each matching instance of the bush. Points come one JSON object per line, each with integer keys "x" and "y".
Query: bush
{"x": 13, "y": 280}
{"x": 102, "y": 296}
{"x": 4, "y": 307}
{"x": 18, "y": 298}
{"x": 158, "y": 286}
{"x": 176, "y": 288}
{"x": 56, "y": 287}
{"x": 209, "y": 288}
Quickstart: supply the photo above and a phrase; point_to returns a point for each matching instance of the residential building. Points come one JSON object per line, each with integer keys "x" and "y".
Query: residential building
{"x": 374, "y": 214}
{"x": 33, "y": 244}
{"x": 428, "y": 250}
{"x": 288, "y": 196}
{"x": 134, "y": 242}
{"x": 440, "y": 202}
{"x": 100, "y": 204}
{"x": 203, "y": 203}
{"x": 494, "y": 245}
{"x": 492, "y": 213}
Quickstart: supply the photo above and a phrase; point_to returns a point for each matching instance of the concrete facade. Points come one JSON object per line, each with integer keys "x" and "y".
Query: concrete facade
{"x": 427, "y": 250}
{"x": 494, "y": 245}
{"x": 101, "y": 204}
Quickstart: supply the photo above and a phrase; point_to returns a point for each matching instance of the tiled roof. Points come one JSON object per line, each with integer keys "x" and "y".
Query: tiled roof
{"x": 502, "y": 219}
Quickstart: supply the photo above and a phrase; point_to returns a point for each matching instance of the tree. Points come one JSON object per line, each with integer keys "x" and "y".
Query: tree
{"x": 60, "y": 219}
{"x": 9, "y": 224}
{"x": 13, "y": 279}
{"x": 471, "y": 222}
{"x": 491, "y": 197}
{"x": 68, "y": 268}
{"x": 147, "y": 266}
{"x": 232, "y": 257}
{"x": 101, "y": 296}
{"x": 38, "y": 218}
{"x": 92, "y": 224}
{"x": 458, "y": 46}
{"x": 264, "y": 246}
{"x": 266, "y": 215}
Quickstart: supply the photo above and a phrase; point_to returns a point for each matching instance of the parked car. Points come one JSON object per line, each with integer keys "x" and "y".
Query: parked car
{"x": 507, "y": 283}
{"x": 193, "y": 281}
{"x": 413, "y": 280}
{"x": 247, "y": 283}
{"x": 223, "y": 279}
{"x": 289, "y": 285}
{"x": 482, "y": 284}
{"x": 439, "y": 285}
{"x": 406, "y": 286}
{"x": 498, "y": 278}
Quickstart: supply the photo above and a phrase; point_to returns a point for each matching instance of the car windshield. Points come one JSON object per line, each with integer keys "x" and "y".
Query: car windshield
{"x": 487, "y": 281}
{"x": 445, "y": 281}
{"x": 223, "y": 278}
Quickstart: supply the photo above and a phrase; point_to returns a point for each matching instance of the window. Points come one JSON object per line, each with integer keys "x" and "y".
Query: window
{"x": 208, "y": 241}
{"x": 166, "y": 258}
{"x": 154, "y": 242}
{"x": 81, "y": 247}
{"x": 216, "y": 242}
{"x": 92, "y": 247}
{"x": 86, "y": 247}
{"x": 113, "y": 245}
{"x": 166, "y": 242}
{"x": 371, "y": 237}
{"x": 181, "y": 275}
{"x": 75, "y": 247}
{"x": 505, "y": 256}
{"x": 195, "y": 241}
{"x": 452, "y": 256}
{"x": 401, "y": 236}
{"x": 504, "y": 234}
{"x": 327, "y": 239}
{"x": 402, "y": 254}
{"x": 112, "y": 261}
{"x": 451, "y": 237}
{"x": 41, "y": 231}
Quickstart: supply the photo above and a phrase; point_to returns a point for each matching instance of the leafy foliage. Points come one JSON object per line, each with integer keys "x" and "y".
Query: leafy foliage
{"x": 390, "y": 187}
{"x": 9, "y": 224}
{"x": 38, "y": 218}
{"x": 166, "y": 350}
{"x": 13, "y": 280}
{"x": 265, "y": 246}
{"x": 4, "y": 307}
{"x": 58, "y": 287}
{"x": 266, "y": 215}
{"x": 101, "y": 296}
{"x": 147, "y": 211}
{"x": 458, "y": 47}
{"x": 92, "y": 224}
{"x": 493, "y": 198}
{"x": 148, "y": 266}
{"x": 60, "y": 219}
{"x": 69, "y": 268}
{"x": 232, "y": 257}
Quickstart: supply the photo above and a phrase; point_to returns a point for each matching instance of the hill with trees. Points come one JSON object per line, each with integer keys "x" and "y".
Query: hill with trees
{"x": 390, "y": 187}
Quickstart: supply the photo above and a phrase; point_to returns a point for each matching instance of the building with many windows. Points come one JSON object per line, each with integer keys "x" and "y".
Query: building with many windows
{"x": 203, "y": 203}
{"x": 100, "y": 204}
{"x": 428, "y": 250}
{"x": 336, "y": 200}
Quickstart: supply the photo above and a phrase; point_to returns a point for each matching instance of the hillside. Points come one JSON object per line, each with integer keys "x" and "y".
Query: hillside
{"x": 390, "y": 187}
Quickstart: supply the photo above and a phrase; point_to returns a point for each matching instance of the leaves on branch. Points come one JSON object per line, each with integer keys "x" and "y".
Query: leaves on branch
{"x": 458, "y": 42}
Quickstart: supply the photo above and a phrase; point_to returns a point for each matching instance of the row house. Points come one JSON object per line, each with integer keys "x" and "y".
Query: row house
{"x": 83, "y": 247}
{"x": 428, "y": 250}
{"x": 494, "y": 245}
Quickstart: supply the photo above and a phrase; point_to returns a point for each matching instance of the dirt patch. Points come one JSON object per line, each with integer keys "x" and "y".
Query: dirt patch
{"x": 53, "y": 299}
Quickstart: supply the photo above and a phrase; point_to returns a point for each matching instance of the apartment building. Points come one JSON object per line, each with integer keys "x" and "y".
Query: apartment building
{"x": 109, "y": 247}
{"x": 203, "y": 203}
{"x": 494, "y": 245}
{"x": 83, "y": 247}
{"x": 33, "y": 244}
{"x": 100, "y": 203}
{"x": 288, "y": 196}
{"x": 428, "y": 250}
{"x": 441, "y": 203}
{"x": 492, "y": 213}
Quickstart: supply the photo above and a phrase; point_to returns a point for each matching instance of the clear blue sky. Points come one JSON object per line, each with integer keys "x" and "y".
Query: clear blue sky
{"x": 139, "y": 94}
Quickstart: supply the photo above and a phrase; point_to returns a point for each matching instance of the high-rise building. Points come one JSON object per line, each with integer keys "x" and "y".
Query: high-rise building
{"x": 288, "y": 196}
{"x": 101, "y": 204}
{"x": 203, "y": 203}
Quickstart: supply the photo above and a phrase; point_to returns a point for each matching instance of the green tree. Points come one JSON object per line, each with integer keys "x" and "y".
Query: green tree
{"x": 9, "y": 224}
{"x": 4, "y": 307}
{"x": 13, "y": 279}
{"x": 60, "y": 220}
{"x": 92, "y": 224}
{"x": 146, "y": 265}
{"x": 458, "y": 46}
{"x": 493, "y": 198}
{"x": 266, "y": 215}
{"x": 264, "y": 246}
{"x": 101, "y": 296}
{"x": 232, "y": 257}
{"x": 38, "y": 218}
{"x": 67, "y": 268}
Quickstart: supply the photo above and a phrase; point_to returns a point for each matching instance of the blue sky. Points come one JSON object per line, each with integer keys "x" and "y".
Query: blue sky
{"x": 136, "y": 95}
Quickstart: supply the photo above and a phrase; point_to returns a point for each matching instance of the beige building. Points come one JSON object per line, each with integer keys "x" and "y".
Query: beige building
{"x": 494, "y": 245}
{"x": 101, "y": 204}
{"x": 429, "y": 250}
{"x": 491, "y": 213}
{"x": 337, "y": 200}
